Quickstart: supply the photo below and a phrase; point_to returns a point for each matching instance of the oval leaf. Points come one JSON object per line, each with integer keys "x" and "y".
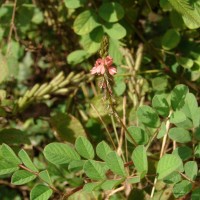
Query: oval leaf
{"x": 58, "y": 153}
{"x": 180, "y": 135}
{"x": 115, "y": 163}
{"x": 102, "y": 150}
{"x": 94, "y": 170}
{"x": 168, "y": 164}
{"x": 40, "y": 192}
{"x": 111, "y": 11}
{"x": 139, "y": 157}
{"x": 21, "y": 177}
{"x": 84, "y": 148}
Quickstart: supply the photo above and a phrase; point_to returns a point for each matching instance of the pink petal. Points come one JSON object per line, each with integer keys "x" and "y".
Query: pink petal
{"x": 93, "y": 70}
{"x": 108, "y": 61}
{"x": 102, "y": 69}
{"x": 112, "y": 70}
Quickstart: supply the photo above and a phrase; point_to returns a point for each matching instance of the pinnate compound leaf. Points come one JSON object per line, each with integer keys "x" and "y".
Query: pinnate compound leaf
{"x": 148, "y": 116}
{"x": 85, "y": 22}
{"x": 58, "y": 153}
{"x": 26, "y": 160}
{"x": 138, "y": 134}
{"x": 9, "y": 155}
{"x": 178, "y": 95}
{"x": 115, "y": 163}
{"x": 94, "y": 170}
{"x": 111, "y": 11}
{"x": 168, "y": 164}
{"x": 84, "y": 148}
{"x": 182, "y": 188}
{"x": 40, "y": 192}
{"x": 21, "y": 177}
{"x": 191, "y": 169}
{"x": 180, "y": 135}
{"x": 102, "y": 150}
{"x": 139, "y": 157}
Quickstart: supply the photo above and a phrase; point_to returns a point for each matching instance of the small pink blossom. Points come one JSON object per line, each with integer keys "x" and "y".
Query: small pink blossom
{"x": 102, "y": 64}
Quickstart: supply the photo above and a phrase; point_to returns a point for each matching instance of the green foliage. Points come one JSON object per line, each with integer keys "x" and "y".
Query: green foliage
{"x": 67, "y": 134}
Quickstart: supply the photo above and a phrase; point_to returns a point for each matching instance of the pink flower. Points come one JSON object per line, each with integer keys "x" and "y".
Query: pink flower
{"x": 102, "y": 64}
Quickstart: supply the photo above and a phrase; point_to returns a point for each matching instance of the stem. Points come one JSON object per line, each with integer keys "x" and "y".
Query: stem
{"x": 162, "y": 151}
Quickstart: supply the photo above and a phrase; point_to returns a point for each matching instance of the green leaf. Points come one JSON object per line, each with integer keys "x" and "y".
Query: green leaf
{"x": 138, "y": 134}
{"x": 191, "y": 169}
{"x": 115, "y": 30}
{"x": 77, "y": 57}
{"x": 185, "y": 62}
{"x": 40, "y": 192}
{"x": 76, "y": 165}
{"x": 148, "y": 116}
{"x": 74, "y": 3}
{"x": 168, "y": 164}
{"x": 177, "y": 117}
{"x": 173, "y": 178}
{"x": 139, "y": 157}
{"x": 119, "y": 87}
{"x": 13, "y": 136}
{"x": 197, "y": 151}
{"x": 7, "y": 167}
{"x": 21, "y": 177}
{"x": 114, "y": 50}
{"x": 162, "y": 131}
{"x": 111, "y": 184}
{"x": 135, "y": 179}
{"x": 111, "y": 11}
{"x": 58, "y": 153}
{"x": 161, "y": 105}
{"x": 94, "y": 170}
{"x": 67, "y": 127}
{"x": 182, "y": 188}
{"x": 3, "y": 68}
{"x": 92, "y": 41}
{"x": 26, "y": 160}
{"x": 178, "y": 95}
{"x": 183, "y": 152}
{"x": 171, "y": 39}
{"x": 191, "y": 108}
{"x": 195, "y": 194}
{"x": 102, "y": 150}
{"x": 190, "y": 15}
{"x": 89, "y": 187}
{"x": 85, "y": 22}
{"x": 159, "y": 83}
{"x": 9, "y": 155}
{"x": 84, "y": 148}
{"x": 44, "y": 175}
{"x": 180, "y": 135}
{"x": 115, "y": 163}
{"x": 165, "y": 5}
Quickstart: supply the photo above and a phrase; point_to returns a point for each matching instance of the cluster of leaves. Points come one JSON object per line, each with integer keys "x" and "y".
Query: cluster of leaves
{"x": 51, "y": 139}
{"x": 176, "y": 116}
